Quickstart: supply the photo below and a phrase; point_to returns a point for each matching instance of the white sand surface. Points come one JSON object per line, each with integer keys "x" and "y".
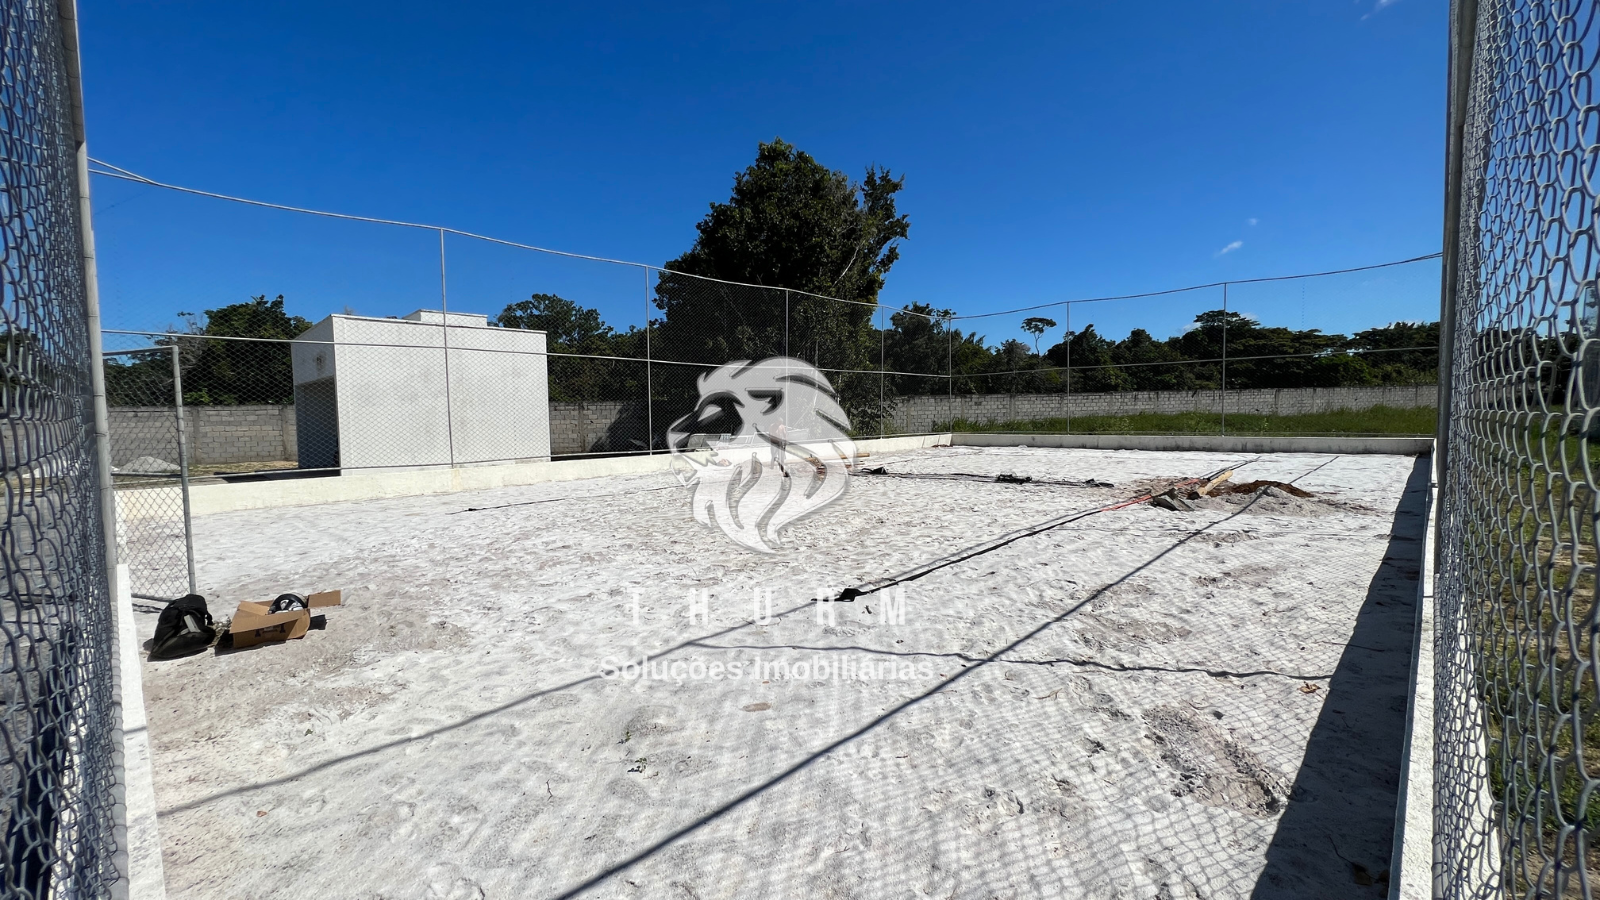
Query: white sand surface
{"x": 1140, "y": 703}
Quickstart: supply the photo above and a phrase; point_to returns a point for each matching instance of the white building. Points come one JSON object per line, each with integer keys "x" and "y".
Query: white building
{"x": 386, "y": 392}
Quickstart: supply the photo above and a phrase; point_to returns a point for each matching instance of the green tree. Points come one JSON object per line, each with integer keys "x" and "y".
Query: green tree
{"x": 1203, "y": 343}
{"x": 1395, "y": 364}
{"x": 1271, "y": 357}
{"x": 919, "y": 343}
{"x": 791, "y": 223}
{"x": 1014, "y": 369}
{"x": 229, "y": 373}
{"x": 583, "y": 367}
{"x": 1092, "y": 358}
{"x": 142, "y": 379}
{"x": 1037, "y": 326}
{"x": 1151, "y": 365}
{"x": 970, "y": 357}
{"x": 568, "y": 327}
{"x": 259, "y": 318}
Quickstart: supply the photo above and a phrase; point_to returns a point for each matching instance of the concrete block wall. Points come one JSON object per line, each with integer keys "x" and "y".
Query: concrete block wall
{"x": 921, "y": 414}
{"x": 587, "y": 427}
{"x": 234, "y": 434}
{"x": 215, "y": 434}
{"x": 237, "y": 434}
{"x": 143, "y": 431}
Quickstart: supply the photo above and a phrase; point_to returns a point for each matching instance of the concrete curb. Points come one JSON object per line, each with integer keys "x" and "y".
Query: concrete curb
{"x": 1411, "y": 867}
{"x": 1217, "y": 443}
{"x": 206, "y": 499}
{"x": 142, "y": 840}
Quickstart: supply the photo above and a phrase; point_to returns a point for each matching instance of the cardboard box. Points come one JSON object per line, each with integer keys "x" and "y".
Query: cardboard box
{"x": 253, "y": 623}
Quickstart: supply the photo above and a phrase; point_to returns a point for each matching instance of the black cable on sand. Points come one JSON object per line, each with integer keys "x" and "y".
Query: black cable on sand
{"x": 850, "y": 594}
{"x": 1003, "y": 478}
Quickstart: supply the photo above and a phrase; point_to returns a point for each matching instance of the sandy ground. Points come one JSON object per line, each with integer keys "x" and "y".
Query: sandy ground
{"x": 1141, "y": 703}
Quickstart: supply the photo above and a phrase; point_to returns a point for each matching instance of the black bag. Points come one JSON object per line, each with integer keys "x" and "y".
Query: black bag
{"x": 184, "y": 628}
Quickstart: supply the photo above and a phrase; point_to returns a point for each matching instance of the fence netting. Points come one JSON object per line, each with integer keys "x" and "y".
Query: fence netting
{"x": 58, "y": 752}
{"x": 149, "y": 472}
{"x": 1518, "y": 642}
{"x": 511, "y": 381}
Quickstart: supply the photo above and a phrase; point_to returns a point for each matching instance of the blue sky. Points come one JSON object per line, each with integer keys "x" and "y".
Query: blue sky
{"x": 1051, "y": 151}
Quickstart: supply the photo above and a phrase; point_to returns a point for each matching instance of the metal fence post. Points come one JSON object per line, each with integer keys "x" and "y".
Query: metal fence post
{"x": 649, "y": 388}
{"x": 883, "y": 365}
{"x": 1224, "y": 357}
{"x": 1067, "y": 406}
{"x": 950, "y": 370}
{"x": 183, "y": 462}
{"x": 1464, "y": 27}
{"x": 444, "y": 311}
{"x": 101, "y": 415}
{"x": 64, "y": 775}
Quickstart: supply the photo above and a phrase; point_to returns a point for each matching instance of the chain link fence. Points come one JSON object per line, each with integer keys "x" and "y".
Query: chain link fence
{"x": 149, "y": 471}
{"x": 59, "y": 769}
{"x": 1517, "y": 727}
{"x": 551, "y": 379}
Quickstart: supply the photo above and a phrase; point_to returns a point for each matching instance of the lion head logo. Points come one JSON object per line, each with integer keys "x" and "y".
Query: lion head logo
{"x": 773, "y": 446}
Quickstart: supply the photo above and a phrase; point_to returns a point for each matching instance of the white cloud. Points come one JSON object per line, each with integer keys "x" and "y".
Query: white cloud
{"x": 1252, "y": 220}
{"x": 1230, "y": 248}
{"x": 1379, "y": 7}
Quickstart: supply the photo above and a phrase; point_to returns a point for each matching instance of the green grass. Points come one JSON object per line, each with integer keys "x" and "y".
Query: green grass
{"x": 1535, "y": 549}
{"x": 1376, "y": 420}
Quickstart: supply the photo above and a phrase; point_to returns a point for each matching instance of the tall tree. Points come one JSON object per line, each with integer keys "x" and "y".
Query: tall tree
{"x": 1014, "y": 369}
{"x": 568, "y": 327}
{"x": 1148, "y": 363}
{"x": 1397, "y": 365}
{"x": 920, "y": 344}
{"x": 1091, "y": 358}
{"x": 791, "y": 223}
{"x": 229, "y": 373}
{"x": 259, "y": 318}
{"x": 1037, "y": 326}
{"x": 581, "y": 367}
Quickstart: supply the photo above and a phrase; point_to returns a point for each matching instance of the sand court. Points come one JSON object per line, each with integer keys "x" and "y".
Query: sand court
{"x": 572, "y": 689}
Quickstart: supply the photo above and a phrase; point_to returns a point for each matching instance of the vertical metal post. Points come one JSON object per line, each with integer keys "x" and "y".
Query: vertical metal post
{"x": 183, "y": 463}
{"x": 444, "y": 310}
{"x": 1224, "y": 357}
{"x": 950, "y": 370}
{"x": 129, "y": 763}
{"x": 786, "y": 342}
{"x": 1463, "y": 37}
{"x": 883, "y": 365}
{"x": 649, "y": 388}
{"x": 1068, "y": 405}
{"x": 91, "y": 297}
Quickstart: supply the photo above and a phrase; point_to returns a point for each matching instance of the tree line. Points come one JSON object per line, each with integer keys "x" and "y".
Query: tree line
{"x": 752, "y": 285}
{"x": 794, "y": 232}
{"x": 215, "y": 372}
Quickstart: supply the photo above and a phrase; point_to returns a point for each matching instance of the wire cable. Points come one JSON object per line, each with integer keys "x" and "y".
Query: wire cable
{"x": 122, "y": 174}
{"x": 851, "y": 593}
